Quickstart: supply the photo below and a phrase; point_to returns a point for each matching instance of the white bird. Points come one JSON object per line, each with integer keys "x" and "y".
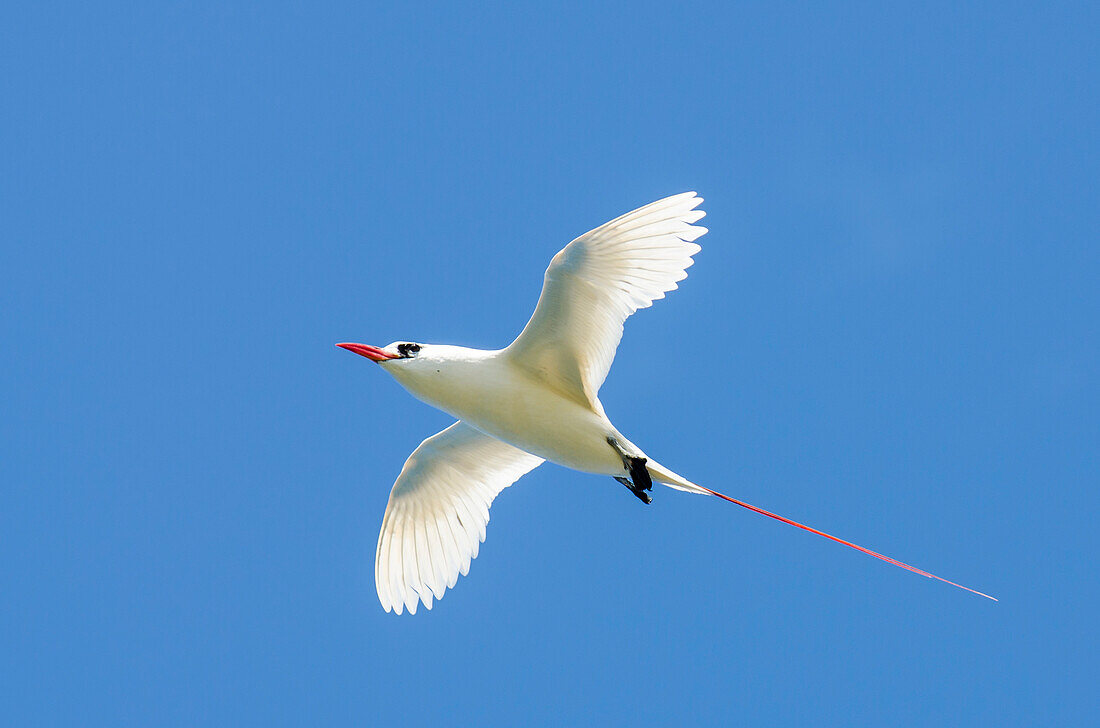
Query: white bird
{"x": 533, "y": 401}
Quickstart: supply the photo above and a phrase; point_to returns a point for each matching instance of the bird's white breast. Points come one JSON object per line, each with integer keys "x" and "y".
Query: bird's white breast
{"x": 488, "y": 391}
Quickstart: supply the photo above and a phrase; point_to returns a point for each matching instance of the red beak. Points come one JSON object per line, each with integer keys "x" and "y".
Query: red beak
{"x": 371, "y": 352}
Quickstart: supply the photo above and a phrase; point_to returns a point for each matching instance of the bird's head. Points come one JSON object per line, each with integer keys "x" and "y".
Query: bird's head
{"x": 390, "y": 352}
{"x": 400, "y": 359}
{"x": 399, "y": 351}
{"x": 433, "y": 373}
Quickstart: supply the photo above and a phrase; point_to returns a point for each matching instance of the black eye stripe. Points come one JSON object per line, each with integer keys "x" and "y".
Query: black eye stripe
{"x": 407, "y": 349}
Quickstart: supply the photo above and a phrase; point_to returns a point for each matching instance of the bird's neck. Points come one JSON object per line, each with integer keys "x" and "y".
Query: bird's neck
{"x": 454, "y": 379}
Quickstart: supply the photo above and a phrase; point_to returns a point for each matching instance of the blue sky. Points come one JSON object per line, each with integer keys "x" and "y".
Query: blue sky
{"x": 890, "y": 334}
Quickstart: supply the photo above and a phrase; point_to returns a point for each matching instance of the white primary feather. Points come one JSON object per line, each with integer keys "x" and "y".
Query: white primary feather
{"x": 595, "y": 283}
{"x": 437, "y": 513}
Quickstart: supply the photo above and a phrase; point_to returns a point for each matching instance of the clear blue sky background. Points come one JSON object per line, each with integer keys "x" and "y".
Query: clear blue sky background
{"x": 891, "y": 334}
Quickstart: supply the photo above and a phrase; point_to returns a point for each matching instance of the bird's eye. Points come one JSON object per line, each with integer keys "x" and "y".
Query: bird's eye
{"x": 408, "y": 350}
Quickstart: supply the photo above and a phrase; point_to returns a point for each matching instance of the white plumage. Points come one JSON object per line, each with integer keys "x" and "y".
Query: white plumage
{"x": 535, "y": 400}
{"x": 597, "y": 281}
{"x": 438, "y": 511}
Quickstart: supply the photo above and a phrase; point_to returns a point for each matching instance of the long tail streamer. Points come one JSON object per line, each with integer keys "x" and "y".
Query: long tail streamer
{"x": 869, "y": 552}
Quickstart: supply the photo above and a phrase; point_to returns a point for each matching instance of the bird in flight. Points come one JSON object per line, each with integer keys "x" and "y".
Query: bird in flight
{"x": 533, "y": 401}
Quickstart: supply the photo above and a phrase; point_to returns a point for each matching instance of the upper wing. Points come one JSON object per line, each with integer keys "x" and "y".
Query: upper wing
{"x": 596, "y": 282}
{"x": 437, "y": 513}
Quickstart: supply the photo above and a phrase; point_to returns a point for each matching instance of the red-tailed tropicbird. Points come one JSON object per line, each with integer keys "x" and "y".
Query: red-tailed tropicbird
{"x": 533, "y": 401}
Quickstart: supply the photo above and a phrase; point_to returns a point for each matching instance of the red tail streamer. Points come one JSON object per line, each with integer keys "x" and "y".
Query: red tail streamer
{"x": 869, "y": 552}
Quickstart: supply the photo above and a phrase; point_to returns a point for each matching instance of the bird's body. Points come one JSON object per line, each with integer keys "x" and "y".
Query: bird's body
{"x": 535, "y": 400}
{"x": 488, "y": 390}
